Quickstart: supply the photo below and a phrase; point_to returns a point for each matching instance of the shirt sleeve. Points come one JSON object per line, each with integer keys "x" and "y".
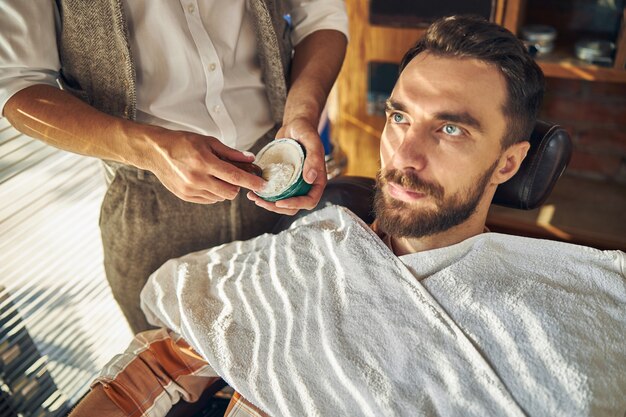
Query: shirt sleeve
{"x": 28, "y": 46}
{"x": 313, "y": 15}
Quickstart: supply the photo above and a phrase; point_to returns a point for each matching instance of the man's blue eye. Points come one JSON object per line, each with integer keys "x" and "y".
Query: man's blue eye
{"x": 452, "y": 130}
{"x": 398, "y": 118}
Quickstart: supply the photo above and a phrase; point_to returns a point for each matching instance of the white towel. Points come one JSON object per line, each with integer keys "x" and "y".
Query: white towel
{"x": 323, "y": 320}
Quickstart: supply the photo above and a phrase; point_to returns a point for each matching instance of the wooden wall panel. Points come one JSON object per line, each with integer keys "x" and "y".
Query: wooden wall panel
{"x": 620, "y": 44}
{"x": 357, "y": 133}
{"x": 514, "y": 14}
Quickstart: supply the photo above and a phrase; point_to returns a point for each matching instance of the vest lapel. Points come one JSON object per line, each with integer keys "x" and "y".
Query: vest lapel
{"x": 274, "y": 52}
{"x": 96, "y": 63}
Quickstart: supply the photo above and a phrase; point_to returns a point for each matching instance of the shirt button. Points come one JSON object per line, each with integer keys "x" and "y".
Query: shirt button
{"x": 190, "y": 8}
{"x": 217, "y": 108}
{"x": 212, "y": 66}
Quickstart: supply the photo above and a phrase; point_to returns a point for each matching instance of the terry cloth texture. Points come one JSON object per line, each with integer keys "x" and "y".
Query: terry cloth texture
{"x": 143, "y": 225}
{"x": 323, "y": 319}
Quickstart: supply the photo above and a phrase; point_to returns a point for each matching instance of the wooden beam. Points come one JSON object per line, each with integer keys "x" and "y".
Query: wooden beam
{"x": 514, "y": 13}
{"x": 620, "y": 45}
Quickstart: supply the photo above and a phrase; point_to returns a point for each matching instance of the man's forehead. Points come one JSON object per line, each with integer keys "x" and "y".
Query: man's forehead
{"x": 434, "y": 85}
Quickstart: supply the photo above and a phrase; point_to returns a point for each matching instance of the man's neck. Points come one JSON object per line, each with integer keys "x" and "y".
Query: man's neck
{"x": 406, "y": 245}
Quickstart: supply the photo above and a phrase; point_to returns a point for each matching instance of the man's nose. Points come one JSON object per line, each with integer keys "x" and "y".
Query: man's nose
{"x": 413, "y": 150}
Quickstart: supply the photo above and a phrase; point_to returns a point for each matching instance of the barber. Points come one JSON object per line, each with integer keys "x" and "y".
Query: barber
{"x": 175, "y": 97}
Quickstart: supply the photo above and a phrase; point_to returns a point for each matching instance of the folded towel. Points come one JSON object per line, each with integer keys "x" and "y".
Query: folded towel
{"x": 323, "y": 320}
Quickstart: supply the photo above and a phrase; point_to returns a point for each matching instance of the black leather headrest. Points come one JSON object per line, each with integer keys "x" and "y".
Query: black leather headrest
{"x": 549, "y": 153}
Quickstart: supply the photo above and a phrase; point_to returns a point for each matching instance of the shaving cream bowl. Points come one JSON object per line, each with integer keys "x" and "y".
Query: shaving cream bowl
{"x": 282, "y": 161}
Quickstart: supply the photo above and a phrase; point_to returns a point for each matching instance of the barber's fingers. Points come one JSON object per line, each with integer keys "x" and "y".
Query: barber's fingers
{"x": 199, "y": 184}
{"x": 196, "y": 196}
{"x": 209, "y": 197}
{"x": 202, "y": 200}
{"x": 229, "y": 173}
{"x": 221, "y": 189}
{"x": 267, "y": 205}
{"x": 219, "y": 177}
{"x": 314, "y": 170}
{"x": 306, "y": 202}
{"x": 207, "y": 161}
{"x": 230, "y": 154}
{"x": 306, "y": 133}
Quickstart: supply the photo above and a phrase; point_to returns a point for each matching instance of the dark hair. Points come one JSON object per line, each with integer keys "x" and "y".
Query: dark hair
{"x": 475, "y": 37}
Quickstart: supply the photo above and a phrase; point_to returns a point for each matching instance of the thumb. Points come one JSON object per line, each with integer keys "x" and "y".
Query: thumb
{"x": 230, "y": 154}
{"x": 314, "y": 164}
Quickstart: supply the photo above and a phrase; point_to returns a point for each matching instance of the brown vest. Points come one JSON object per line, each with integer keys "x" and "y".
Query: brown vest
{"x": 97, "y": 65}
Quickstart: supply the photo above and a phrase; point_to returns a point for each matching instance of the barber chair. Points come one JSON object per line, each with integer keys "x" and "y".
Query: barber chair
{"x": 549, "y": 153}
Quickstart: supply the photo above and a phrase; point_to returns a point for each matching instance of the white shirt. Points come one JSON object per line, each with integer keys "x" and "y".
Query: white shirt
{"x": 195, "y": 60}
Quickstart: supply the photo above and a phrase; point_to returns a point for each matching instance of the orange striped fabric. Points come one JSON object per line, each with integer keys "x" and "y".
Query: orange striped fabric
{"x": 240, "y": 407}
{"x": 156, "y": 371}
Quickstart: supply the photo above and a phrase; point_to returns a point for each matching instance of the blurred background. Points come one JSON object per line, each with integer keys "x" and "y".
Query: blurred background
{"x": 58, "y": 322}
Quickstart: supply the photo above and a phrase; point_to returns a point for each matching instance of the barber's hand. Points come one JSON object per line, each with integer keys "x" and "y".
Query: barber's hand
{"x": 306, "y": 133}
{"x": 197, "y": 168}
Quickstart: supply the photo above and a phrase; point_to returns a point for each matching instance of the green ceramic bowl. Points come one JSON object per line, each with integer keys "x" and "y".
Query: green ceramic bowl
{"x": 282, "y": 161}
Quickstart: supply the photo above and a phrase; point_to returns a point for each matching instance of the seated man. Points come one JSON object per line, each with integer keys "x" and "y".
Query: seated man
{"x": 424, "y": 313}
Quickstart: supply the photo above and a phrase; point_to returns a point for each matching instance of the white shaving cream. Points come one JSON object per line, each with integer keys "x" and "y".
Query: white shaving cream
{"x": 278, "y": 177}
{"x": 281, "y": 162}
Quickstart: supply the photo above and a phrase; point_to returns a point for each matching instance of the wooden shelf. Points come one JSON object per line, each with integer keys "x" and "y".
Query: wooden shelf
{"x": 573, "y": 69}
{"x": 562, "y": 64}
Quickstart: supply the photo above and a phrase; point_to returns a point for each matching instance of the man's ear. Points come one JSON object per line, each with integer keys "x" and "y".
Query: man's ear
{"x": 510, "y": 161}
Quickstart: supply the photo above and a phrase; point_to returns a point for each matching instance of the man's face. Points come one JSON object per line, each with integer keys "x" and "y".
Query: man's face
{"x": 440, "y": 145}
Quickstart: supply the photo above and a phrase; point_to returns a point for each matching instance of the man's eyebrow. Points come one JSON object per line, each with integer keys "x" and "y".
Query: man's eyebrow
{"x": 463, "y": 118}
{"x": 392, "y": 105}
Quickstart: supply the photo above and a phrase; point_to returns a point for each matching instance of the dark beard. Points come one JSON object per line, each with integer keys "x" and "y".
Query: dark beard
{"x": 399, "y": 219}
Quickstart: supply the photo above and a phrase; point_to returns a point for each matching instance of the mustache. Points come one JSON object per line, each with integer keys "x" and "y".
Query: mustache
{"x": 409, "y": 180}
